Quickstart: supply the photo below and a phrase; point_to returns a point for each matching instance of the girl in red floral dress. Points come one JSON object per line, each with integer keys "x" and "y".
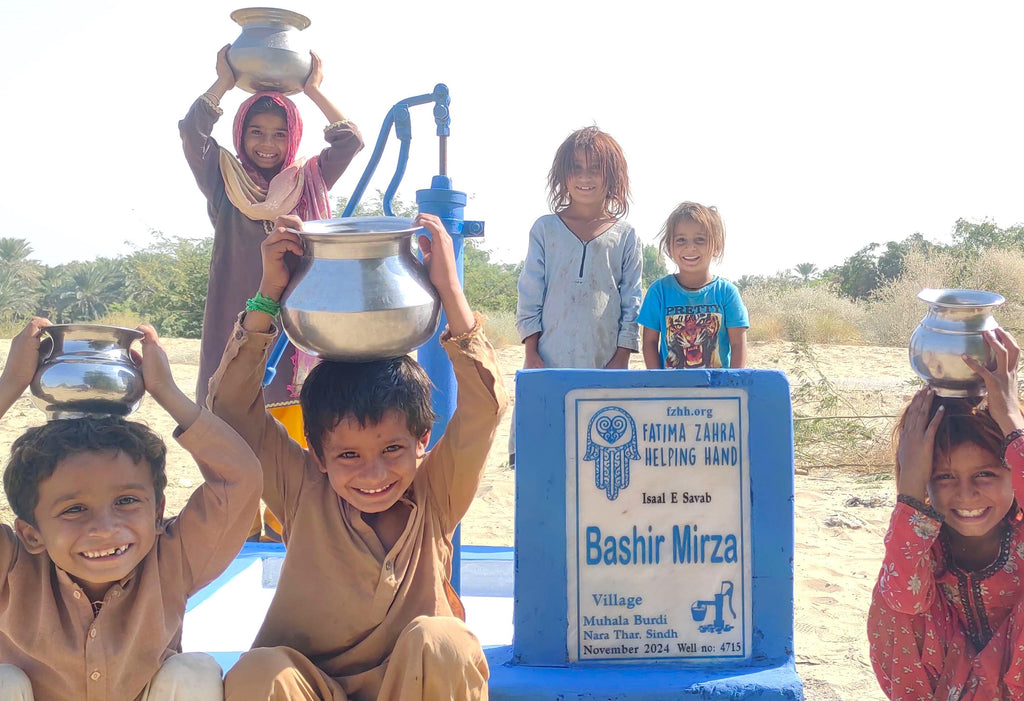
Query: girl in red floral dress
{"x": 947, "y": 615}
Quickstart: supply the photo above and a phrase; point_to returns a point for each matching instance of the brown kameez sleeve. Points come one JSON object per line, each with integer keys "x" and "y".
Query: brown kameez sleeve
{"x": 345, "y": 142}
{"x": 236, "y": 395}
{"x": 215, "y": 521}
{"x": 201, "y": 150}
{"x": 456, "y": 463}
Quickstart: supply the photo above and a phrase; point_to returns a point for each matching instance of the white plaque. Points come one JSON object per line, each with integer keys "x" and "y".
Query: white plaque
{"x": 657, "y": 524}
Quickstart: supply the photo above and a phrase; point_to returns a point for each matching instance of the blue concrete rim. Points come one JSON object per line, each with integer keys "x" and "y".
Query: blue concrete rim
{"x": 253, "y": 551}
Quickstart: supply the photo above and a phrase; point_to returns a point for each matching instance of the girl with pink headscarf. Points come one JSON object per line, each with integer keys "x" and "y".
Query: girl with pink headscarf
{"x": 246, "y": 193}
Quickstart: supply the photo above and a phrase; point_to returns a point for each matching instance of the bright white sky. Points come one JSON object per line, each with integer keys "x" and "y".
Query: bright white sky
{"x": 816, "y": 127}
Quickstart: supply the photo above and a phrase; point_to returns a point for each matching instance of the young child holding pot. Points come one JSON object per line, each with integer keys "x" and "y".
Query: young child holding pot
{"x": 94, "y": 578}
{"x": 364, "y": 607}
{"x": 245, "y": 194}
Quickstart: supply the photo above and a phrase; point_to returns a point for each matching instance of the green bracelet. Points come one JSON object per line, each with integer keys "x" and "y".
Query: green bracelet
{"x": 262, "y": 303}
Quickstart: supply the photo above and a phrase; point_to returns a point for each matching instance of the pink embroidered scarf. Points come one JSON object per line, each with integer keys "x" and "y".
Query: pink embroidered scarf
{"x": 298, "y": 188}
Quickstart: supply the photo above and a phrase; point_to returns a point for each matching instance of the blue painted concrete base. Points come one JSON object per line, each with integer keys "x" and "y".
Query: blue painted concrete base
{"x": 215, "y": 616}
{"x": 637, "y": 682}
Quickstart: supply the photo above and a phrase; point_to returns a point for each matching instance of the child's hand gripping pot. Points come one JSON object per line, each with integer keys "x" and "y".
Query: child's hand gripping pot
{"x": 156, "y": 375}
{"x": 1001, "y": 382}
{"x": 22, "y": 362}
{"x": 439, "y": 257}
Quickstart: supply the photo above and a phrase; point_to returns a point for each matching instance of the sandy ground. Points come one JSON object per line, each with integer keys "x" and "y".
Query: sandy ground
{"x": 841, "y": 515}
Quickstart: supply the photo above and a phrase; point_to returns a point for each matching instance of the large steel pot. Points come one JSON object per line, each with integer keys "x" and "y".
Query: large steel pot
{"x": 87, "y": 369}
{"x": 359, "y": 293}
{"x": 953, "y": 327}
{"x": 270, "y": 54}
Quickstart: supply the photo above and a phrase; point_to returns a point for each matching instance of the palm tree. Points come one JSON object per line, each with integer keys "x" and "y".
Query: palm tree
{"x": 16, "y": 301}
{"x": 93, "y": 286}
{"x": 806, "y": 271}
{"x": 14, "y": 259}
{"x": 52, "y": 285}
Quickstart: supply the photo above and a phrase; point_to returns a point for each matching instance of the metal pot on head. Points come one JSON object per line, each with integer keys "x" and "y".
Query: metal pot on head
{"x": 953, "y": 327}
{"x": 270, "y": 54}
{"x": 359, "y": 293}
{"x": 87, "y": 369}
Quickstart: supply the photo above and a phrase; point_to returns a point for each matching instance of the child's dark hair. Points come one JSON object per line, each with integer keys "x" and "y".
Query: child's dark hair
{"x": 36, "y": 453}
{"x": 597, "y": 146}
{"x": 262, "y": 106}
{"x": 364, "y": 391}
{"x": 964, "y": 422}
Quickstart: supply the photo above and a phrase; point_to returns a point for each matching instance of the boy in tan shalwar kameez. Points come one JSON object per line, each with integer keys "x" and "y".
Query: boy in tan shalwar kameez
{"x": 93, "y": 579}
{"x": 364, "y": 608}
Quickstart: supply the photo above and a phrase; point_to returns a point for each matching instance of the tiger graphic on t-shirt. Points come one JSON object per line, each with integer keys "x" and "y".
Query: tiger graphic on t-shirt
{"x": 692, "y": 340}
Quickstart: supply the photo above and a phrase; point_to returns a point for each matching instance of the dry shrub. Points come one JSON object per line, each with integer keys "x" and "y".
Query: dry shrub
{"x": 766, "y": 327}
{"x": 894, "y": 310}
{"x": 128, "y": 320}
{"x": 809, "y": 314}
{"x": 500, "y": 328}
{"x": 1000, "y": 270}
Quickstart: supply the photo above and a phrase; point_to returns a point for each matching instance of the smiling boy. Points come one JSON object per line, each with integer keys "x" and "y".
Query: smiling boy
{"x": 364, "y": 607}
{"x": 93, "y": 579}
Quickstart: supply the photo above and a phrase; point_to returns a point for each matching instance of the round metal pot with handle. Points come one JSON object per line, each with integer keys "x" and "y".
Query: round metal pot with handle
{"x": 270, "y": 53}
{"x": 87, "y": 369}
{"x": 953, "y": 327}
{"x": 359, "y": 293}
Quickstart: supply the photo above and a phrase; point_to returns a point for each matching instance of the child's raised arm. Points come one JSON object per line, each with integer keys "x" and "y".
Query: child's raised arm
{"x": 22, "y": 362}
{"x": 1001, "y": 383}
{"x": 917, "y": 446}
{"x": 276, "y": 273}
{"x": 439, "y": 257}
{"x": 312, "y": 90}
{"x": 156, "y": 374}
{"x": 225, "y": 76}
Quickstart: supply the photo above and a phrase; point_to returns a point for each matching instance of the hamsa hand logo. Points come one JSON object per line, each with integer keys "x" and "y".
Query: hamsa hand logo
{"x": 611, "y": 444}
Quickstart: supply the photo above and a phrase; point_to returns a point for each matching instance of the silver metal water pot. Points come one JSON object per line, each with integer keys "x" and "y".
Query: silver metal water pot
{"x": 359, "y": 293}
{"x": 953, "y": 327}
{"x": 87, "y": 369}
{"x": 270, "y": 54}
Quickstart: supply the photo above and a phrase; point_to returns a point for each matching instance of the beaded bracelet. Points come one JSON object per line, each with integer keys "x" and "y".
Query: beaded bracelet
{"x": 335, "y": 125}
{"x": 262, "y": 303}
{"x": 213, "y": 103}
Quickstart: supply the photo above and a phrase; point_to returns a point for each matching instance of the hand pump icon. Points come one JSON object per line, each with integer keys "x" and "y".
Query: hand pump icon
{"x": 699, "y": 610}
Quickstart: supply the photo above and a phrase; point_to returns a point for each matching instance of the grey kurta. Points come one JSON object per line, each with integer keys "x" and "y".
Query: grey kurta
{"x": 236, "y": 265}
{"x": 583, "y": 298}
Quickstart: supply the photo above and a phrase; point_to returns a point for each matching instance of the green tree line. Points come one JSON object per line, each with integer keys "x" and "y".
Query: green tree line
{"x": 877, "y": 265}
{"x": 165, "y": 282}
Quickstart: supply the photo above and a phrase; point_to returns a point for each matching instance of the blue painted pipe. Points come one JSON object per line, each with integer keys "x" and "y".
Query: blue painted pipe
{"x": 397, "y": 116}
